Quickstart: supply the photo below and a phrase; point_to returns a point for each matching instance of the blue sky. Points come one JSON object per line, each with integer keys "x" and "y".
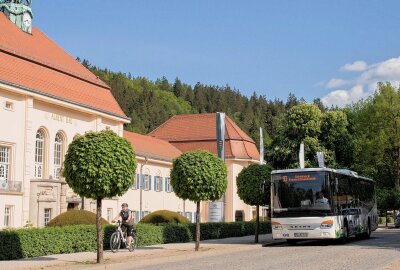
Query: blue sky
{"x": 335, "y": 50}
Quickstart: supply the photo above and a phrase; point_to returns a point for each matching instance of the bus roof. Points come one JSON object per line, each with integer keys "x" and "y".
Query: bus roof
{"x": 339, "y": 171}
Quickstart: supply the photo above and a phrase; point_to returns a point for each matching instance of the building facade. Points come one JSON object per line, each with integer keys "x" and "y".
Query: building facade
{"x": 198, "y": 132}
{"x": 47, "y": 98}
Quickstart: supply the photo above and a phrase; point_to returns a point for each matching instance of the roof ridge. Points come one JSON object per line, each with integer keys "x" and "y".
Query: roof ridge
{"x": 54, "y": 67}
{"x": 194, "y": 114}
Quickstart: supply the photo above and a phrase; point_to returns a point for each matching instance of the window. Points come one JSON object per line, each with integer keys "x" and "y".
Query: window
{"x": 158, "y": 185}
{"x": 168, "y": 187}
{"x": 47, "y": 216}
{"x": 39, "y": 154}
{"x": 4, "y": 164}
{"x": 8, "y": 212}
{"x": 9, "y": 106}
{"x": 109, "y": 214}
{"x": 58, "y": 148}
{"x": 147, "y": 180}
{"x": 189, "y": 216}
{"x": 135, "y": 184}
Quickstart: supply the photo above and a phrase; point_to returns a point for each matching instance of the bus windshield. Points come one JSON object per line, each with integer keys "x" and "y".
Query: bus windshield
{"x": 299, "y": 194}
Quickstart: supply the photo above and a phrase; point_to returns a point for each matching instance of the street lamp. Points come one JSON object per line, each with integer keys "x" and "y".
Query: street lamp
{"x": 141, "y": 187}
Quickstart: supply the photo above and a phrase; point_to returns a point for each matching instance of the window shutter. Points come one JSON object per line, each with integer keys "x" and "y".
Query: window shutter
{"x": 161, "y": 183}
{"x": 143, "y": 176}
{"x": 149, "y": 182}
{"x": 137, "y": 181}
{"x": 166, "y": 184}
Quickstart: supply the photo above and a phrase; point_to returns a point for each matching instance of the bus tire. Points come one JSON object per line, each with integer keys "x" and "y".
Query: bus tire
{"x": 345, "y": 237}
{"x": 367, "y": 234}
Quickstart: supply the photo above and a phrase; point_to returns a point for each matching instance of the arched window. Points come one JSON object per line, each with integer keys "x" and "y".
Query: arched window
{"x": 58, "y": 150}
{"x": 39, "y": 154}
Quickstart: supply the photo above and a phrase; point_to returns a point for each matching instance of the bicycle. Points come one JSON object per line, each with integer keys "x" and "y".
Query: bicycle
{"x": 121, "y": 236}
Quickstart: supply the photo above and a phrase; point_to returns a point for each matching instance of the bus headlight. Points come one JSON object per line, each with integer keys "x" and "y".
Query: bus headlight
{"x": 276, "y": 225}
{"x": 327, "y": 224}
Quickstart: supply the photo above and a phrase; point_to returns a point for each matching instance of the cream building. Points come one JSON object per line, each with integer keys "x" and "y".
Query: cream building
{"x": 198, "y": 132}
{"x": 47, "y": 98}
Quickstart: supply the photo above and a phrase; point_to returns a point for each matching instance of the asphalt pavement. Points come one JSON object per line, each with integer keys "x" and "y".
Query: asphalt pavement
{"x": 382, "y": 251}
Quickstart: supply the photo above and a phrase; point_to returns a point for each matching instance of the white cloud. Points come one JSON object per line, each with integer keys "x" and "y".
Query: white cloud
{"x": 385, "y": 71}
{"x": 342, "y": 98}
{"x": 333, "y": 83}
{"x": 356, "y": 66}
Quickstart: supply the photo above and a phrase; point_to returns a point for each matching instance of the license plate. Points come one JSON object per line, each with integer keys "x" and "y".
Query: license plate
{"x": 300, "y": 234}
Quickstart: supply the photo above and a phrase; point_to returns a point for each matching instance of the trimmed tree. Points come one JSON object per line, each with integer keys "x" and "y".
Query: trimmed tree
{"x": 253, "y": 185}
{"x": 100, "y": 165}
{"x": 199, "y": 176}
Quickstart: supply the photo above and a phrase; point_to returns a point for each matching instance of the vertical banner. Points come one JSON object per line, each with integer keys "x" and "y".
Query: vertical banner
{"x": 301, "y": 156}
{"x": 321, "y": 159}
{"x": 216, "y": 208}
{"x": 261, "y": 147}
{"x": 221, "y": 135}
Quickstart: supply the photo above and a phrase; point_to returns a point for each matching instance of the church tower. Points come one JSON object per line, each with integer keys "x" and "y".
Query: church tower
{"x": 19, "y": 12}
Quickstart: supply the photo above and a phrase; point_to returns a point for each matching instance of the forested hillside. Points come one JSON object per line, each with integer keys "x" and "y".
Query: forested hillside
{"x": 363, "y": 137}
{"x": 149, "y": 103}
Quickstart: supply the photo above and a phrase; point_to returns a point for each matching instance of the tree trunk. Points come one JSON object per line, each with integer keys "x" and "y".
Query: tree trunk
{"x": 197, "y": 227}
{"x": 99, "y": 233}
{"x": 257, "y": 224}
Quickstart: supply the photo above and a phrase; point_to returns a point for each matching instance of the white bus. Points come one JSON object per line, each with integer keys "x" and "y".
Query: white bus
{"x": 322, "y": 203}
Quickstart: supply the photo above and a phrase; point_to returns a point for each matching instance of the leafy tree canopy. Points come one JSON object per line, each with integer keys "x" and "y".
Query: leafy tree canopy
{"x": 250, "y": 184}
{"x": 100, "y": 165}
{"x": 199, "y": 176}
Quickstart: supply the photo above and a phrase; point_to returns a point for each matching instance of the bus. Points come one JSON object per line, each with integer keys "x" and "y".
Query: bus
{"x": 322, "y": 203}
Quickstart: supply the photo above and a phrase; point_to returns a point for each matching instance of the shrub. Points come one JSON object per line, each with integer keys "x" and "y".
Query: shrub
{"x": 24, "y": 243}
{"x": 75, "y": 217}
{"x": 164, "y": 216}
{"x": 382, "y": 220}
{"x": 262, "y": 219}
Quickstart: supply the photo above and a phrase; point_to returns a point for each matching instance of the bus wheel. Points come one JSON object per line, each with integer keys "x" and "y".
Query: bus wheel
{"x": 367, "y": 234}
{"x": 291, "y": 242}
{"x": 345, "y": 236}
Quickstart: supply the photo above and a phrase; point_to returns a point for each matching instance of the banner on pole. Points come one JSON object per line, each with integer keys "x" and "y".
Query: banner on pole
{"x": 261, "y": 147}
{"x": 321, "y": 159}
{"x": 301, "y": 156}
{"x": 216, "y": 208}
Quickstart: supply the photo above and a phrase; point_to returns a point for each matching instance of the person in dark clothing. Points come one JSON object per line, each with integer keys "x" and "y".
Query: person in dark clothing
{"x": 126, "y": 221}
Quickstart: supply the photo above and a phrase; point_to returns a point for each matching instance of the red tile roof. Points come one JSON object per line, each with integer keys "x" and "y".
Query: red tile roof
{"x": 152, "y": 147}
{"x": 198, "y": 132}
{"x": 38, "y": 64}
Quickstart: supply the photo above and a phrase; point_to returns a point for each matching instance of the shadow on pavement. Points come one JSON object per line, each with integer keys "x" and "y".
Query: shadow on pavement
{"x": 383, "y": 239}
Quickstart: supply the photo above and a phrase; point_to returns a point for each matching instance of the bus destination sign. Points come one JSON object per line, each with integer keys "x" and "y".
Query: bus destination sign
{"x": 298, "y": 177}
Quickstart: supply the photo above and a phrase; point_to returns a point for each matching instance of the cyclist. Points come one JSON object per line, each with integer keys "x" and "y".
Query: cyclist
{"x": 127, "y": 222}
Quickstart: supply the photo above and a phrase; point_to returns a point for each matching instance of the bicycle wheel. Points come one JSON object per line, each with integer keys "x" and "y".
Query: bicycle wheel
{"x": 115, "y": 242}
{"x": 134, "y": 242}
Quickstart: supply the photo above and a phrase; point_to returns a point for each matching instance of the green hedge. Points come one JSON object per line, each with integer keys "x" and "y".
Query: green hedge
{"x": 24, "y": 243}
{"x": 382, "y": 220}
{"x": 75, "y": 217}
{"x": 164, "y": 216}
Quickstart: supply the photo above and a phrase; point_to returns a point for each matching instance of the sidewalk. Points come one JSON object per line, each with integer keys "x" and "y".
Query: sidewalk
{"x": 141, "y": 257}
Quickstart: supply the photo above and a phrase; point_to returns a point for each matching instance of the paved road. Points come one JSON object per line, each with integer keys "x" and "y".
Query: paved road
{"x": 382, "y": 251}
